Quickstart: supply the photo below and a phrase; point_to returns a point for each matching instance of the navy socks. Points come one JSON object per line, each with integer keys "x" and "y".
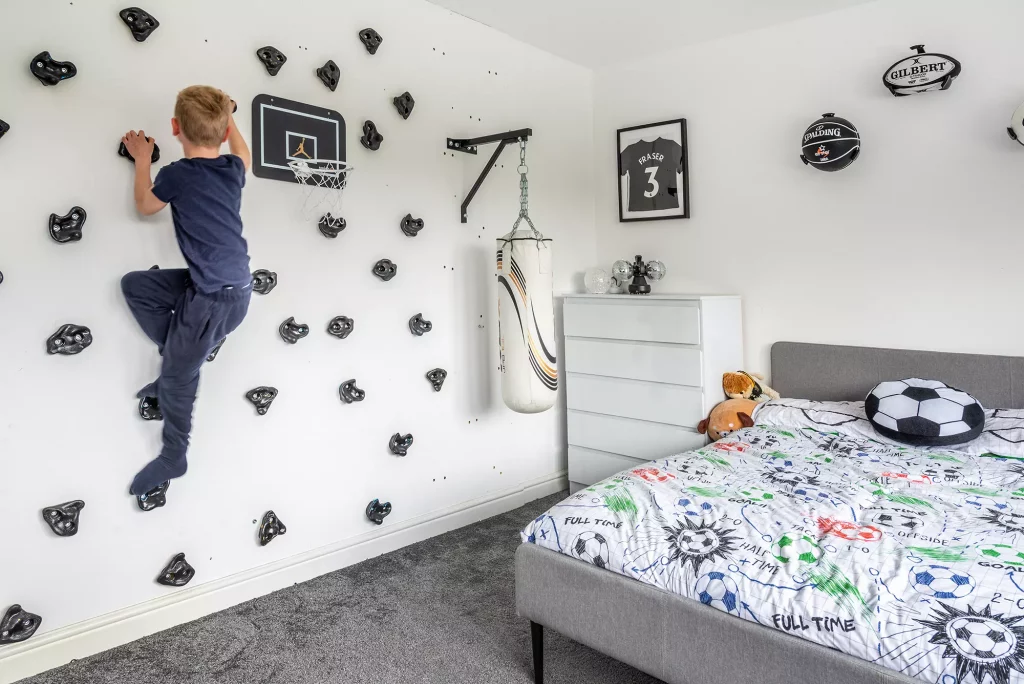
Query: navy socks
{"x": 156, "y": 472}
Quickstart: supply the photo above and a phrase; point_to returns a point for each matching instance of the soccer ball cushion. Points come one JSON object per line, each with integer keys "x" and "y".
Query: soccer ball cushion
{"x": 924, "y": 412}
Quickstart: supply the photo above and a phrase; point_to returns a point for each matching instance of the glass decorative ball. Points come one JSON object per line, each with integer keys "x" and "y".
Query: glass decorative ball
{"x": 597, "y": 281}
{"x": 655, "y": 270}
{"x": 622, "y": 270}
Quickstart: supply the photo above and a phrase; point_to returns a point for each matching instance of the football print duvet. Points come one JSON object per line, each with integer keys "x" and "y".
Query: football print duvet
{"x": 909, "y": 558}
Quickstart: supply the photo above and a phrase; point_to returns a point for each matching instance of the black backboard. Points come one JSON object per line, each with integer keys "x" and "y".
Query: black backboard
{"x": 283, "y": 130}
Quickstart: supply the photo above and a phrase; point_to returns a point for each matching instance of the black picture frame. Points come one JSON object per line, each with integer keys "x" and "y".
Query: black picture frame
{"x": 675, "y": 130}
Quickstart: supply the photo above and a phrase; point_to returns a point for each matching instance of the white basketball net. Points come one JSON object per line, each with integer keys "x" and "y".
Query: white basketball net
{"x": 323, "y": 182}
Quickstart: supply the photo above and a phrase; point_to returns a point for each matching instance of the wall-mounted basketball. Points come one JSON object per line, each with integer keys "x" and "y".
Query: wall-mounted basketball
{"x": 921, "y": 73}
{"x": 1016, "y": 129}
{"x": 831, "y": 143}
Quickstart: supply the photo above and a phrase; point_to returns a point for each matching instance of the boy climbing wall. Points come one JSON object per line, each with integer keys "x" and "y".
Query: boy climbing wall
{"x": 187, "y": 312}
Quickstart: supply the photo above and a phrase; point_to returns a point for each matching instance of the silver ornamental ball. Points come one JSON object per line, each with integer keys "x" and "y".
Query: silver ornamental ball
{"x": 621, "y": 270}
{"x": 655, "y": 270}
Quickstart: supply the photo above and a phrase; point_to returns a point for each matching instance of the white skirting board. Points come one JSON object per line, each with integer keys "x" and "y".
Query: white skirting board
{"x": 102, "y": 633}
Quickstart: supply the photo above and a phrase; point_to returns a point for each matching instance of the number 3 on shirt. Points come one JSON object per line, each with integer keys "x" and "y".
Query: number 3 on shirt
{"x": 652, "y": 172}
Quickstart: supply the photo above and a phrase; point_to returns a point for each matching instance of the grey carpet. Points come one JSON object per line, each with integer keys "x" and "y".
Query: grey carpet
{"x": 439, "y": 611}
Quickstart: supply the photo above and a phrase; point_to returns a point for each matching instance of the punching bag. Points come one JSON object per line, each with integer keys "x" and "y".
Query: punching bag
{"x": 526, "y": 320}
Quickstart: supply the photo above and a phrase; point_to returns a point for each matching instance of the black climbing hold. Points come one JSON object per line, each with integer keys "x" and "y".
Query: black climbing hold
{"x": 404, "y": 103}
{"x": 216, "y": 350}
{"x": 400, "y": 444}
{"x": 331, "y": 226}
{"x": 350, "y": 393}
{"x": 262, "y": 398}
{"x": 329, "y": 74}
{"x": 154, "y": 498}
{"x": 123, "y": 151}
{"x": 411, "y": 226}
{"x": 377, "y": 511}
{"x": 18, "y": 625}
{"x": 63, "y": 518}
{"x": 69, "y": 339}
{"x": 49, "y": 71}
{"x": 292, "y": 332}
{"x": 371, "y": 39}
{"x": 371, "y": 136}
{"x": 4, "y": 127}
{"x": 1, "y": 277}
{"x": 154, "y": 267}
{"x": 178, "y": 572}
{"x": 270, "y": 528}
{"x": 149, "y": 409}
{"x": 141, "y": 22}
{"x": 385, "y": 269}
{"x": 263, "y": 281}
{"x": 272, "y": 58}
{"x": 418, "y": 325}
{"x": 341, "y": 327}
{"x": 437, "y": 378}
{"x": 68, "y": 228}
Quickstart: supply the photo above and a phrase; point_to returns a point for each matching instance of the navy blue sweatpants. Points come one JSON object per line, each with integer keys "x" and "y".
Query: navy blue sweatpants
{"x": 185, "y": 325}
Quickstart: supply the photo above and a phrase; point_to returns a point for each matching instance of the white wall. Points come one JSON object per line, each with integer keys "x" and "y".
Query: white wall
{"x": 914, "y": 245}
{"x": 68, "y": 425}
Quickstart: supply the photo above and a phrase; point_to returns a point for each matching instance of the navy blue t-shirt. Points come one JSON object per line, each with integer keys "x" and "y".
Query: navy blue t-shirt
{"x": 206, "y": 200}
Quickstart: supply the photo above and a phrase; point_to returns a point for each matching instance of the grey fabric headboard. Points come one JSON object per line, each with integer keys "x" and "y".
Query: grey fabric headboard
{"x": 827, "y": 372}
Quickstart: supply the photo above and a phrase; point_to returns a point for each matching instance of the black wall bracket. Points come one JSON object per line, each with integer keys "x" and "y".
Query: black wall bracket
{"x": 470, "y": 147}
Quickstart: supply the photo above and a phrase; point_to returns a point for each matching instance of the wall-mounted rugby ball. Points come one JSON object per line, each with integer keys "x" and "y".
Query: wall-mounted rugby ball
{"x": 1016, "y": 129}
{"x": 831, "y": 143}
{"x": 921, "y": 73}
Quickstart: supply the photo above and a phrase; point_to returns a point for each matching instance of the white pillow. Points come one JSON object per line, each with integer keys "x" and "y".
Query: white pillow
{"x": 1003, "y": 434}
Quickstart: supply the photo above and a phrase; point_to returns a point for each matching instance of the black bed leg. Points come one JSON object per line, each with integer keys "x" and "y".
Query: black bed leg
{"x": 537, "y": 632}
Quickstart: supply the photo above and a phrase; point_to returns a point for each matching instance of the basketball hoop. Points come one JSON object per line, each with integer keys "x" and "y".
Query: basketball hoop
{"x": 324, "y": 182}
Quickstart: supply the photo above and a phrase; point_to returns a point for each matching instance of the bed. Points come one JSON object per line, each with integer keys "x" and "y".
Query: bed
{"x": 771, "y": 598}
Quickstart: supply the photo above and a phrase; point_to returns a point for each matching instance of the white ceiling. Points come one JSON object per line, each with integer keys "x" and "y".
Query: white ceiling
{"x": 596, "y": 33}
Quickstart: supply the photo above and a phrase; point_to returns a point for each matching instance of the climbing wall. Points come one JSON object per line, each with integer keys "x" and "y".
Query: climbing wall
{"x": 69, "y": 424}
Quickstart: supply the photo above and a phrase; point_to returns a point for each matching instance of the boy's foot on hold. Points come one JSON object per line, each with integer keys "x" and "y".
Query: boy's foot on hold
{"x": 154, "y": 498}
{"x": 157, "y": 471}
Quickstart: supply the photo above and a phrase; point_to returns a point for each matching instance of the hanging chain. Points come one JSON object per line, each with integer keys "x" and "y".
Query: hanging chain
{"x": 524, "y": 183}
{"x": 524, "y": 189}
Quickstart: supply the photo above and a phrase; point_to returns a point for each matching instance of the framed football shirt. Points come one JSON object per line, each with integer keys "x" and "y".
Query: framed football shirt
{"x": 653, "y": 172}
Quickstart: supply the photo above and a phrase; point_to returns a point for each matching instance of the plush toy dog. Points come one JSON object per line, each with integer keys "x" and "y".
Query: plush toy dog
{"x": 727, "y": 417}
{"x": 743, "y": 385}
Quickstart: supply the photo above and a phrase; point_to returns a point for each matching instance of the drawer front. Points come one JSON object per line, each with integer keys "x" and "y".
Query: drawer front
{"x": 587, "y": 466}
{"x": 634, "y": 360}
{"x": 654, "y": 401}
{"x": 636, "y": 438}
{"x": 651, "y": 320}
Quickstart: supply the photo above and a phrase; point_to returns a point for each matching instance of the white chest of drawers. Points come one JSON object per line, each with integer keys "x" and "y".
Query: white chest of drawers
{"x": 641, "y": 372}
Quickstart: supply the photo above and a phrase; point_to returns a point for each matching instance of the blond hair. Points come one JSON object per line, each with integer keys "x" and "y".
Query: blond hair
{"x": 202, "y": 113}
